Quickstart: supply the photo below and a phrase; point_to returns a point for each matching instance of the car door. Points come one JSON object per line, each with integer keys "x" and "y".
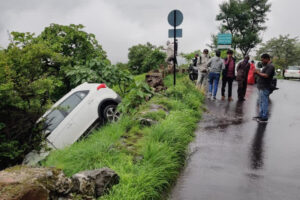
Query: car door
{"x": 86, "y": 114}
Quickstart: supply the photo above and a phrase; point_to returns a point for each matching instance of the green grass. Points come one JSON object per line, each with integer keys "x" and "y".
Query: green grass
{"x": 147, "y": 159}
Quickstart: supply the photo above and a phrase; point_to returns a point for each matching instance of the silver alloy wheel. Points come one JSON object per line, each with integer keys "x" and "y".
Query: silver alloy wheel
{"x": 111, "y": 114}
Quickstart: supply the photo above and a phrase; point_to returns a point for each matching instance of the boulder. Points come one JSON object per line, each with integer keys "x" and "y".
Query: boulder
{"x": 96, "y": 182}
{"x": 43, "y": 183}
{"x": 27, "y": 183}
{"x": 155, "y": 80}
{"x": 146, "y": 121}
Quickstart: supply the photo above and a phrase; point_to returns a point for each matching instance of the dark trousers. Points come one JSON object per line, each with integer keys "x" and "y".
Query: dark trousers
{"x": 226, "y": 80}
{"x": 242, "y": 88}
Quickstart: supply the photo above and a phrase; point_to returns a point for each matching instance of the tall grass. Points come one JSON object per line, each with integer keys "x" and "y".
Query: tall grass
{"x": 158, "y": 154}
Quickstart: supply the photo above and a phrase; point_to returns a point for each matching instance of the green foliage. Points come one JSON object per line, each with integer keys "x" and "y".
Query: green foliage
{"x": 37, "y": 70}
{"x": 160, "y": 150}
{"x": 72, "y": 42}
{"x": 157, "y": 115}
{"x": 153, "y": 60}
{"x": 143, "y": 58}
{"x": 189, "y": 56}
{"x": 99, "y": 71}
{"x": 284, "y": 50}
{"x": 139, "y": 92}
{"x": 244, "y": 19}
{"x": 26, "y": 85}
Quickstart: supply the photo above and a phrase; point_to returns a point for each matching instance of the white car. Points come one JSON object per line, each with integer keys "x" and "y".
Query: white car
{"x": 75, "y": 114}
{"x": 292, "y": 72}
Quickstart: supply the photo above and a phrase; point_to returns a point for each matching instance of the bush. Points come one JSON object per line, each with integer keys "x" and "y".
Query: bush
{"x": 139, "y": 93}
{"x": 143, "y": 58}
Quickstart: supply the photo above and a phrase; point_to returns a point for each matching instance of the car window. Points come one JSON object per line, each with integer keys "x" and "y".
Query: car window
{"x": 56, "y": 116}
{"x": 72, "y": 101}
{"x": 294, "y": 67}
{"x": 53, "y": 119}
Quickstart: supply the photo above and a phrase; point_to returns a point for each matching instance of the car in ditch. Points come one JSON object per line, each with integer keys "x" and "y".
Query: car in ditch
{"x": 292, "y": 72}
{"x": 75, "y": 115}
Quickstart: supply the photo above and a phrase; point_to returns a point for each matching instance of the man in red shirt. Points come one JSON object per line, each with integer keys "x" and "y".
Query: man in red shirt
{"x": 228, "y": 75}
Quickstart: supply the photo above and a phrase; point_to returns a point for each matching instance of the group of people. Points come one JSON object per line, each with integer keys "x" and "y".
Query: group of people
{"x": 211, "y": 69}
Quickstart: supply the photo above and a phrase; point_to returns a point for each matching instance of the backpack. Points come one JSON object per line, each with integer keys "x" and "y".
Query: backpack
{"x": 273, "y": 85}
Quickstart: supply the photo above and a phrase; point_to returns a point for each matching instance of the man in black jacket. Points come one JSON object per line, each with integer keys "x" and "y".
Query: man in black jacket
{"x": 242, "y": 77}
{"x": 228, "y": 75}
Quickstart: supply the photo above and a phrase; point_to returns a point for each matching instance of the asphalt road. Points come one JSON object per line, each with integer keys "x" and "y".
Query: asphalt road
{"x": 235, "y": 158}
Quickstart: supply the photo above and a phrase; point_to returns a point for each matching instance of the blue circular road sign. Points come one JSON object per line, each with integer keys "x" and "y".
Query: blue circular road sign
{"x": 175, "y": 14}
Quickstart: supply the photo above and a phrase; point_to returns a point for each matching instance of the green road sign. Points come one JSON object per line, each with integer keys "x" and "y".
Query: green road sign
{"x": 224, "y": 38}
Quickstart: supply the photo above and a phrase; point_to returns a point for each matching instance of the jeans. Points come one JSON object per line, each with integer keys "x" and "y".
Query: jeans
{"x": 213, "y": 80}
{"x": 228, "y": 80}
{"x": 263, "y": 103}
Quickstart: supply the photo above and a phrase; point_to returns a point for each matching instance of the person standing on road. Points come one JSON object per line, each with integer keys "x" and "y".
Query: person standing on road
{"x": 228, "y": 75}
{"x": 215, "y": 66}
{"x": 242, "y": 77}
{"x": 251, "y": 78}
{"x": 265, "y": 78}
{"x": 203, "y": 70}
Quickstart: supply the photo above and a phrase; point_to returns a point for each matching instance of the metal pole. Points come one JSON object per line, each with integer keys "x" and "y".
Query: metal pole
{"x": 174, "y": 61}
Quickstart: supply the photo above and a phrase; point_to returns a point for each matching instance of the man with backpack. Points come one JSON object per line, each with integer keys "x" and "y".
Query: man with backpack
{"x": 264, "y": 85}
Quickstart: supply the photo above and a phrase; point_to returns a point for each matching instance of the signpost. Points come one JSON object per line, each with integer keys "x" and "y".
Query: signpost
{"x": 175, "y": 18}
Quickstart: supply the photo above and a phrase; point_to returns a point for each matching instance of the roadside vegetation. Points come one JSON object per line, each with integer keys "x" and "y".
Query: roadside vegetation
{"x": 148, "y": 157}
{"x": 36, "y": 71}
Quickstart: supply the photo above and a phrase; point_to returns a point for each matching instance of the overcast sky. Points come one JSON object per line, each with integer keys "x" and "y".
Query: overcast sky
{"x": 120, "y": 24}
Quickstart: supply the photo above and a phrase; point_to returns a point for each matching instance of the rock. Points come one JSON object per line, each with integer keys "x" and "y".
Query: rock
{"x": 101, "y": 179}
{"x": 83, "y": 184}
{"x": 155, "y": 80}
{"x": 156, "y": 107}
{"x": 147, "y": 122}
{"x": 22, "y": 182}
{"x": 29, "y": 183}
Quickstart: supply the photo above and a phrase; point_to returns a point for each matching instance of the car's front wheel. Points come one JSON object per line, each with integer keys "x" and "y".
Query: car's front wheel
{"x": 110, "y": 113}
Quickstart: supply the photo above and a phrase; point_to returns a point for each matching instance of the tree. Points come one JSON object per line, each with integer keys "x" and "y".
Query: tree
{"x": 189, "y": 56}
{"x": 72, "y": 41}
{"x": 25, "y": 91}
{"x": 75, "y": 45}
{"x": 143, "y": 58}
{"x": 284, "y": 50}
{"x": 244, "y": 20}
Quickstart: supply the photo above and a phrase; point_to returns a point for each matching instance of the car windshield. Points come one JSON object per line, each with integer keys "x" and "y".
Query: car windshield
{"x": 294, "y": 67}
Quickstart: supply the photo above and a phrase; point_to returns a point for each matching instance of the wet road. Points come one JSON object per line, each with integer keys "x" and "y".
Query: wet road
{"x": 235, "y": 158}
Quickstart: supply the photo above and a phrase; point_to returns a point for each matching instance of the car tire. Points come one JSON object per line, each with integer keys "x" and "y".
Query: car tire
{"x": 110, "y": 113}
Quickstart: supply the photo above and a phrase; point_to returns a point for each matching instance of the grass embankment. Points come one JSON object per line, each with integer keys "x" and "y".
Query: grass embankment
{"x": 148, "y": 159}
